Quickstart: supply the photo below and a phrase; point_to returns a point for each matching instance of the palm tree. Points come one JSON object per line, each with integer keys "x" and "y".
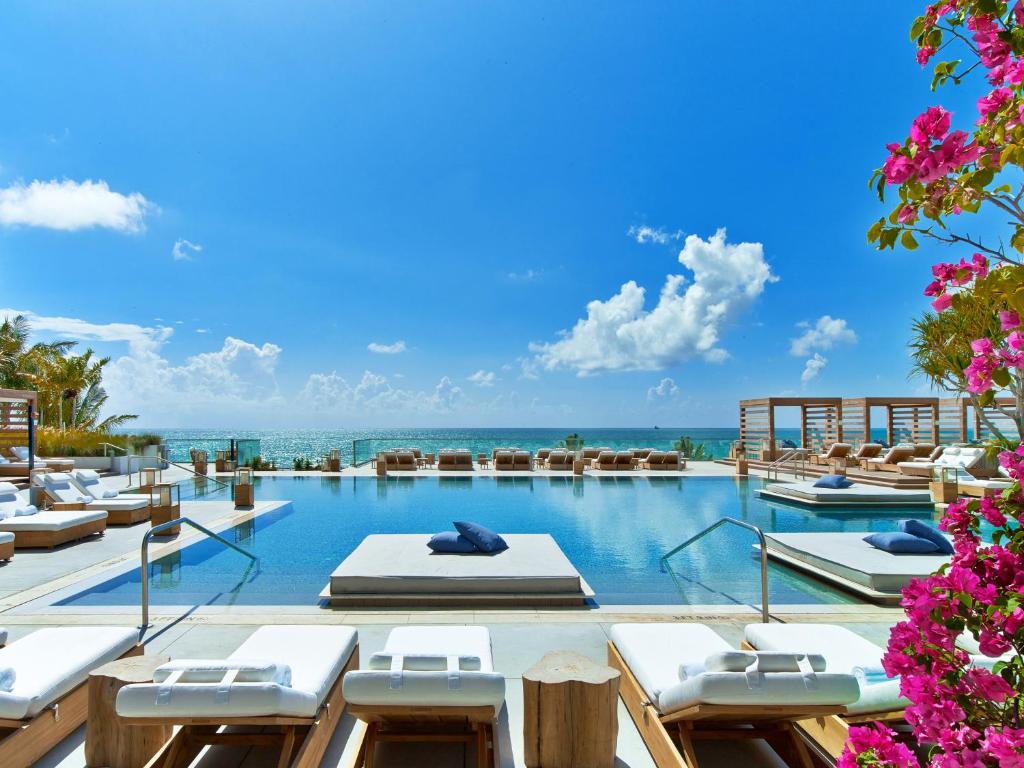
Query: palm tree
{"x": 572, "y": 442}
{"x": 19, "y": 362}
{"x": 693, "y": 451}
{"x": 87, "y": 413}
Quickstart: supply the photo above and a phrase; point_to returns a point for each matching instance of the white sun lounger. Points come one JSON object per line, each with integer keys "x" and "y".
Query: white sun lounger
{"x": 687, "y": 679}
{"x": 283, "y": 676}
{"x": 123, "y": 508}
{"x": 44, "y": 529}
{"x": 844, "y": 651}
{"x": 856, "y": 494}
{"x": 64, "y": 490}
{"x": 430, "y": 675}
{"x": 47, "y": 701}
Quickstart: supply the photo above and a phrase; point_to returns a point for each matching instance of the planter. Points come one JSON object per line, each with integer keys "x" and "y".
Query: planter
{"x": 101, "y": 463}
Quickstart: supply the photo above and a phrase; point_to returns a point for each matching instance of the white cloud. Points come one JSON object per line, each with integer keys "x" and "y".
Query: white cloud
{"x": 813, "y": 368}
{"x": 140, "y": 339}
{"x": 483, "y": 378}
{"x": 666, "y": 390}
{"x": 527, "y": 276}
{"x": 620, "y": 334}
{"x": 183, "y": 250}
{"x": 71, "y": 205}
{"x": 329, "y": 392}
{"x": 826, "y": 332}
{"x": 202, "y": 330}
{"x": 645, "y": 234}
{"x": 386, "y": 349}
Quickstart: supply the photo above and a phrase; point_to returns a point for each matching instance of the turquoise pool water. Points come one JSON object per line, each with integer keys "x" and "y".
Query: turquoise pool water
{"x": 613, "y": 529}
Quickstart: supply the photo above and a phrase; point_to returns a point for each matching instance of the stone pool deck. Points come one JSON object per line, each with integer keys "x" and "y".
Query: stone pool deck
{"x": 29, "y": 583}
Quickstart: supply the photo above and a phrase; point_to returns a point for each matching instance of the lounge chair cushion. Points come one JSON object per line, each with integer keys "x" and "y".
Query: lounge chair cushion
{"x": 898, "y": 542}
{"x": 832, "y": 481}
{"x": 315, "y": 654}
{"x": 484, "y": 539}
{"x": 925, "y": 531}
{"x": 51, "y": 662}
{"x": 51, "y": 521}
{"x": 403, "y": 684}
{"x": 451, "y": 541}
{"x": 655, "y": 653}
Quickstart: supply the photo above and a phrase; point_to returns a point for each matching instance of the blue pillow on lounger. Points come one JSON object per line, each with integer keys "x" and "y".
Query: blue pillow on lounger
{"x": 925, "y": 531}
{"x": 485, "y": 539}
{"x": 451, "y": 542}
{"x": 832, "y": 481}
{"x": 901, "y": 543}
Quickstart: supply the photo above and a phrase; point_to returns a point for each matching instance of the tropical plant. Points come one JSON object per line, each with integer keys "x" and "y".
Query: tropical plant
{"x": 572, "y": 442}
{"x": 693, "y": 451}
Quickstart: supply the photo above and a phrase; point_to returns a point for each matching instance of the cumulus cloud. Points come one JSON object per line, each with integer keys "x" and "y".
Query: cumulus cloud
{"x": 183, "y": 250}
{"x": 645, "y": 234}
{"x": 621, "y": 334}
{"x": 140, "y": 338}
{"x": 373, "y": 393}
{"x": 825, "y": 333}
{"x": 813, "y": 368}
{"x": 483, "y": 378}
{"x": 386, "y": 349}
{"x": 664, "y": 391}
{"x": 72, "y": 205}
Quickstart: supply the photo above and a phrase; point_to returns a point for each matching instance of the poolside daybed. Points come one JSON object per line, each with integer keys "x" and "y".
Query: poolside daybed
{"x": 836, "y": 451}
{"x": 846, "y": 560}
{"x": 844, "y": 651}
{"x": 20, "y": 454}
{"x": 45, "y": 529}
{"x": 121, "y": 508}
{"x": 962, "y": 458}
{"x": 890, "y": 459}
{"x": 429, "y": 684}
{"x": 293, "y": 701}
{"x": 560, "y": 460}
{"x": 858, "y": 494}
{"x": 48, "y": 700}
{"x": 504, "y": 460}
{"x": 399, "y": 569}
{"x": 454, "y": 460}
{"x": 66, "y": 494}
{"x": 972, "y": 486}
{"x": 684, "y": 682}
{"x": 665, "y": 460}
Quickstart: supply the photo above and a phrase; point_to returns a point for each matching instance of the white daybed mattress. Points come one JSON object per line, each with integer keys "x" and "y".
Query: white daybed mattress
{"x": 850, "y": 558}
{"x": 656, "y": 652}
{"x": 386, "y": 564}
{"x": 858, "y": 493}
{"x": 50, "y": 521}
{"x": 51, "y": 662}
{"x": 315, "y": 655}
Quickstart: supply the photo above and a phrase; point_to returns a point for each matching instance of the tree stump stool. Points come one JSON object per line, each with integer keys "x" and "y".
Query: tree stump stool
{"x": 570, "y": 712}
{"x": 108, "y": 741}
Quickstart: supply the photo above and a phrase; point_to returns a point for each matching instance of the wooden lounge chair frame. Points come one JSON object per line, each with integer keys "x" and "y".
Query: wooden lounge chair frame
{"x": 6, "y": 553}
{"x": 773, "y": 723}
{"x": 830, "y": 732}
{"x": 428, "y": 724}
{"x": 26, "y": 741}
{"x": 303, "y": 740}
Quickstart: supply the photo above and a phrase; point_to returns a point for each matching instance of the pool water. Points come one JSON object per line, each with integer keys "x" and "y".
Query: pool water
{"x": 614, "y": 530}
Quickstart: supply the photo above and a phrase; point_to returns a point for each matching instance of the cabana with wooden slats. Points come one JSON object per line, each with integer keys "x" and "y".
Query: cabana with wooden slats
{"x": 17, "y": 422}
{"x": 820, "y": 424}
{"x": 907, "y": 419}
{"x": 961, "y": 422}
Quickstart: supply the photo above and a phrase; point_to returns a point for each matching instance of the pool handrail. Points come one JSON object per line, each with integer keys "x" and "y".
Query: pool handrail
{"x": 765, "y": 615}
{"x": 144, "y": 557}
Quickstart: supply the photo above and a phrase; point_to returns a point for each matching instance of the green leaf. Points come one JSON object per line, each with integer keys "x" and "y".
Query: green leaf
{"x": 981, "y": 179}
{"x": 880, "y": 187}
{"x": 1001, "y": 376}
{"x": 875, "y": 230}
{"x": 907, "y": 240}
{"x": 917, "y": 28}
{"x": 987, "y": 398}
{"x": 1017, "y": 241}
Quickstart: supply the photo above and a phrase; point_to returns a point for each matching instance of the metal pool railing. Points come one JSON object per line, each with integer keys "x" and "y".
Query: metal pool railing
{"x": 144, "y": 557}
{"x": 663, "y": 563}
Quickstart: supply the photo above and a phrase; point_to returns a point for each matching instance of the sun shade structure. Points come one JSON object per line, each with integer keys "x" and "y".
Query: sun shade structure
{"x": 907, "y": 419}
{"x": 820, "y": 424}
{"x": 17, "y": 421}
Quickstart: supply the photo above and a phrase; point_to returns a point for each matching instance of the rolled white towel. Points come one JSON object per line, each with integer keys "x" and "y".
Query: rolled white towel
{"x": 871, "y": 675}
{"x": 7, "y": 677}
{"x": 86, "y": 499}
{"x": 214, "y": 670}
{"x": 31, "y": 509}
{"x": 110, "y": 493}
{"x": 690, "y": 669}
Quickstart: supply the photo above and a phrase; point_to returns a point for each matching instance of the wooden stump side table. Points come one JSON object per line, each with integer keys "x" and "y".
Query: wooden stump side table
{"x": 570, "y": 712}
{"x": 108, "y": 742}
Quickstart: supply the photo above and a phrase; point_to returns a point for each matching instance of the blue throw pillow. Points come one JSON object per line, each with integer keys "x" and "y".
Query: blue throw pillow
{"x": 832, "y": 481}
{"x": 901, "y": 543}
{"x": 925, "y": 531}
{"x": 450, "y": 541}
{"x": 484, "y": 539}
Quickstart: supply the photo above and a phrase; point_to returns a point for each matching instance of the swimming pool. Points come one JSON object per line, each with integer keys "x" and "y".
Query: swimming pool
{"x": 613, "y": 529}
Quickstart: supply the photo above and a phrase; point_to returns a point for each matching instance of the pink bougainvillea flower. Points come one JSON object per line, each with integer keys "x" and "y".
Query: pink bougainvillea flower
{"x": 898, "y": 168}
{"x": 933, "y": 123}
{"x": 924, "y": 53}
{"x": 1008, "y": 320}
{"x": 907, "y": 215}
{"x": 942, "y": 302}
{"x": 982, "y": 346}
{"x": 994, "y": 101}
{"x": 1016, "y": 340}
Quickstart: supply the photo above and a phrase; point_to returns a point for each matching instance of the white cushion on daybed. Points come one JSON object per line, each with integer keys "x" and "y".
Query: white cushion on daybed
{"x": 51, "y": 662}
{"x": 51, "y": 521}
{"x": 468, "y": 680}
{"x": 656, "y": 652}
{"x": 90, "y": 481}
{"x": 843, "y": 650}
{"x": 316, "y": 655}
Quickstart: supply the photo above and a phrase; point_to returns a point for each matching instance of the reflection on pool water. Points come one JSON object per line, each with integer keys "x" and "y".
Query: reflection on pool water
{"x": 613, "y": 529}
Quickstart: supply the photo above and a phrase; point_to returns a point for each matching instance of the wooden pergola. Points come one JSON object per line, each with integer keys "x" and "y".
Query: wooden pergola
{"x": 907, "y": 419}
{"x": 17, "y": 421}
{"x": 820, "y": 423}
{"x": 961, "y": 422}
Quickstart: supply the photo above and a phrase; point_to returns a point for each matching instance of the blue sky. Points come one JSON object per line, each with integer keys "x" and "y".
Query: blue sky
{"x": 280, "y": 188}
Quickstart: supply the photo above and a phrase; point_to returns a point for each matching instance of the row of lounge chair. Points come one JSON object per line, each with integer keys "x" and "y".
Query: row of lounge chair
{"x": 912, "y": 459}
{"x": 554, "y": 459}
{"x": 15, "y": 463}
{"x": 680, "y": 682}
